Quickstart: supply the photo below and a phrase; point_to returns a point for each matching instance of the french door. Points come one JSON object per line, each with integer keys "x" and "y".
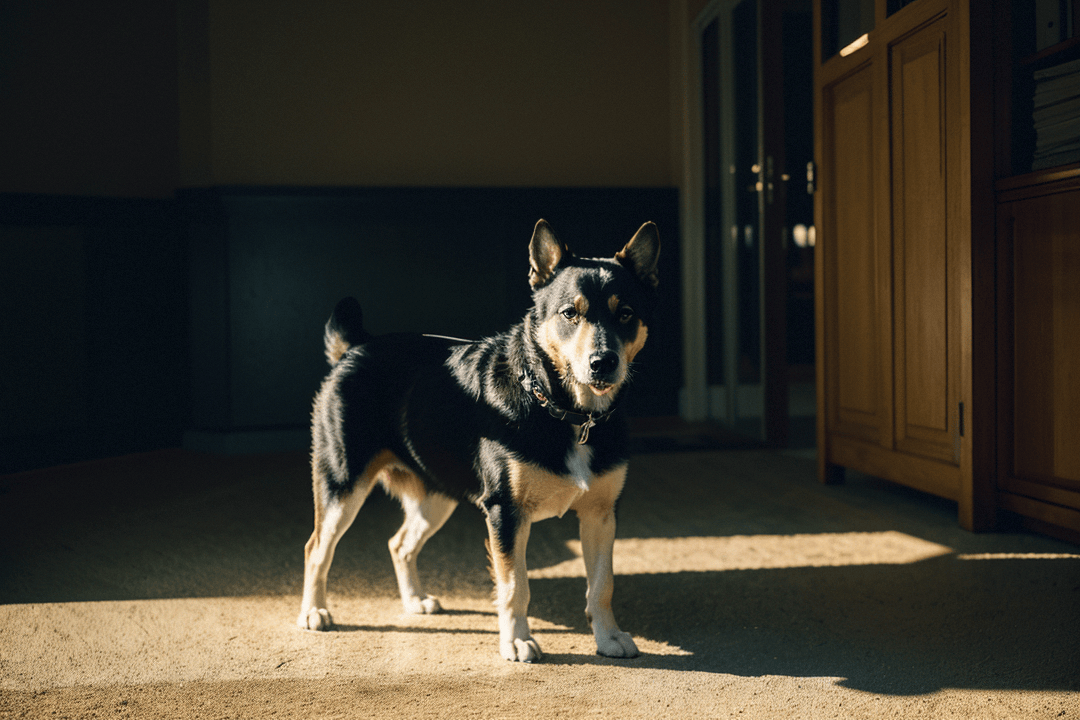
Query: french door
{"x": 757, "y": 117}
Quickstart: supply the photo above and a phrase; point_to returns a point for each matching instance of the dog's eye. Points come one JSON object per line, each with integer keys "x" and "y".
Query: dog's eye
{"x": 626, "y": 313}
{"x": 569, "y": 312}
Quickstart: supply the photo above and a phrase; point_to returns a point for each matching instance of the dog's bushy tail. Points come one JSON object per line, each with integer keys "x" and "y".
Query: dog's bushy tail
{"x": 344, "y": 329}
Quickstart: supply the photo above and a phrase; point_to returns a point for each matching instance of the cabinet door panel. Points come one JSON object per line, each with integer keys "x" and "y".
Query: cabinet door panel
{"x": 925, "y": 295}
{"x": 1046, "y": 342}
{"x": 854, "y": 336}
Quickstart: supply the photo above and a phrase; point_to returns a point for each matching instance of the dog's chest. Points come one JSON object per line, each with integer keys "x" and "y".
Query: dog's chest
{"x": 543, "y": 494}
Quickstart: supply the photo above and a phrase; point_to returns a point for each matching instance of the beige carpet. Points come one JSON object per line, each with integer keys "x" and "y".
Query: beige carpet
{"x": 166, "y": 585}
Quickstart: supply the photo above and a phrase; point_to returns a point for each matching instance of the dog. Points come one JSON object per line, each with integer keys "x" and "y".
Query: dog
{"x": 526, "y": 425}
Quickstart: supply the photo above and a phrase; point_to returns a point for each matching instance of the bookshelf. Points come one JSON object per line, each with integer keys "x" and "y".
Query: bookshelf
{"x": 1036, "y": 100}
{"x": 1038, "y": 86}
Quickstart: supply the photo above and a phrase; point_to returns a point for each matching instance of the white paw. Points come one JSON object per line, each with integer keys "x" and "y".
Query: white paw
{"x": 618, "y": 644}
{"x": 519, "y": 650}
{"x": 426, "y": 605}
{"x": 315, "y": 619}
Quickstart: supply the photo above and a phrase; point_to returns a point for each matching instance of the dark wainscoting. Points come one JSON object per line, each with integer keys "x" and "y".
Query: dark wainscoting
{"x": 93, "y": 328}
{"x": 135, "y": 324}
{"x": 268, "y": 265}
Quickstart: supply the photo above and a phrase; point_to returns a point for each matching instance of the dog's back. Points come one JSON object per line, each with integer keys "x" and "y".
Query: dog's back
{"x": 363, "y": 403}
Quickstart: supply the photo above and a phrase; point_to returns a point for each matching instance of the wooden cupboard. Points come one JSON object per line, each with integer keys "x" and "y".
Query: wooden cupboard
{"x": 893, "y": 247}
{"x": 947, "y": 277}
{"x": 1039, "y": 349}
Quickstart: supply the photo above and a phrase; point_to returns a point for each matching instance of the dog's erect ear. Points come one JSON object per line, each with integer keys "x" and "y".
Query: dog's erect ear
{"x": 545, "y": 254}
{"x": 641, "y": 253}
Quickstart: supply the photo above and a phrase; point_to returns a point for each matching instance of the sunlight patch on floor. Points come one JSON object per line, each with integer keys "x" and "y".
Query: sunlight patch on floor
{"x": 637, "y": 556}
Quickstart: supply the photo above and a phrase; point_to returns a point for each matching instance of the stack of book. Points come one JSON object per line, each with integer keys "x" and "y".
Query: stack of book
{"x": 1057, "y": 115}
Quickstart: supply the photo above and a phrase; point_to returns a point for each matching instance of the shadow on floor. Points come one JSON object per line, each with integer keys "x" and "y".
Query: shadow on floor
{"x": 994, "y": 611}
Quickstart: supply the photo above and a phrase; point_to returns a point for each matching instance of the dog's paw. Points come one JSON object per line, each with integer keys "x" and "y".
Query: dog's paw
{"x": 617, "y": 645}
{"x": 315, "y": 619}
{"x": 426, "y": 605}
{"x": 519, "y": 650}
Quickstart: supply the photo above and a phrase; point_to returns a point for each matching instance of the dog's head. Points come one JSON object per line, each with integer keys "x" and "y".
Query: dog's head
{"x": 591, "y": 315}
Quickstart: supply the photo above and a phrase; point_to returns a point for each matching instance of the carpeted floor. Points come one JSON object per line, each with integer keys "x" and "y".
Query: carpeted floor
{"x": 166, "y": 585}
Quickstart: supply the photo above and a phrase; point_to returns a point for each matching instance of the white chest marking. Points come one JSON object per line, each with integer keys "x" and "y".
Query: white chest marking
{"x": 578, "y": 461}
{"x": 543, "y": 494}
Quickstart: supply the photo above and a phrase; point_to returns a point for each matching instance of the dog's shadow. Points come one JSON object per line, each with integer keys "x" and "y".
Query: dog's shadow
{"x": 861, "y": 623}
{"x": 563, "y": 659}
{"x": 435, "y": 629}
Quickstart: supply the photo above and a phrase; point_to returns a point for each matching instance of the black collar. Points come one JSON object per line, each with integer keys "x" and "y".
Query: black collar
{"x": 587, "y": 421}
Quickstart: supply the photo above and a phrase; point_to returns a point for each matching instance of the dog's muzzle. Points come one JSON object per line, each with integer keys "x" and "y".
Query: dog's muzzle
{"x": 603, "y": 368}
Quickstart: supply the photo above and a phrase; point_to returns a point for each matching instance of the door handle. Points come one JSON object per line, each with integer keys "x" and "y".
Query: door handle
{"x": 770, "y": 175}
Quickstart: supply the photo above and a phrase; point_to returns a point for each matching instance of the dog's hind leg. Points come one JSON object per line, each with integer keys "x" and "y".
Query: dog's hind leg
{"x": 596, "y": 518}
{"x": 423, "y": 518}
{"x": 333, "y": 516}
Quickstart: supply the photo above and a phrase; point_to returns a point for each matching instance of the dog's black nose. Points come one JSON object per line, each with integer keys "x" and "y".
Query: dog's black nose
{"x": 604, "y": 363}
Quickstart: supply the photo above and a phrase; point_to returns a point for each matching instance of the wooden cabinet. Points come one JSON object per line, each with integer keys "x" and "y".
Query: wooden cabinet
{"x": 947, "y": 286}
{"x": 892, "y": 249}
{"x": 1039, "y": 348}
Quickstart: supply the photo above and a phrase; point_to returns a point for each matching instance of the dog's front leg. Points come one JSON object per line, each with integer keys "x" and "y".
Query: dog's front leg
{"x": 596, "y": 517}
{"x": 507, "y": 538}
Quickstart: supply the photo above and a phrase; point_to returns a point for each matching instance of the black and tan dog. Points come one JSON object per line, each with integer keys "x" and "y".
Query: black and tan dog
{"x": 526, "y": 425}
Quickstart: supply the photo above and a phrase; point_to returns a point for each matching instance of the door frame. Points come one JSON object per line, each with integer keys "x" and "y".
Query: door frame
{"x": 701, "y": 401}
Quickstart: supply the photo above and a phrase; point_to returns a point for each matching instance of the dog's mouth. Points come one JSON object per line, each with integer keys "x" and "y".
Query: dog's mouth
{"x": 600, "y": 388}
